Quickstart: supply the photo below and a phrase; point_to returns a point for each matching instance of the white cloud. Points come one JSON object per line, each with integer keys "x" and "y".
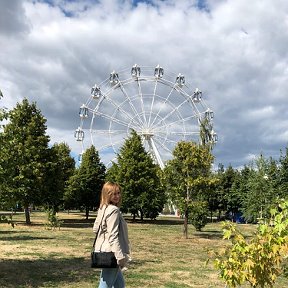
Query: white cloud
{"x": 234, "y": 51}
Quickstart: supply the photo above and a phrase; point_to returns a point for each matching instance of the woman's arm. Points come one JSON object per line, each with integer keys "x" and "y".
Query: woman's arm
{"x": 97, "y": 222}
{"x": 112, "y": 221}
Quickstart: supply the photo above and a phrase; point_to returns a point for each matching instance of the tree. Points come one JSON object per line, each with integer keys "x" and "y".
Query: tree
{"x": 4, "y": 199}
{"x": 24, "y": 156}
{"x": 223, "y": 192}
{"x": 260, "y": 186}
{"x": 61, "y": 168}
{"x": 3, "y": 110}
{"x": 22, "y": 166}
{"x": 188, "y": 176}
{"x": 282, "y": 182}
{"x": 216, "y": 197}
{"x": 139, "y": 178}
{"x": 84, "y": 187}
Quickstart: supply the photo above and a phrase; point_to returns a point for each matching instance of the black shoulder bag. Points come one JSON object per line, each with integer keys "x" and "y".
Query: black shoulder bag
{"x": 101, "y": 259}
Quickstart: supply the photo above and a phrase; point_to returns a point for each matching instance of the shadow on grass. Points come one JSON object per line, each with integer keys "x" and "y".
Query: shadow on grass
{"x": 162, "y": 221}
{"x": 23, "y": 238}
{"x": 211, "y": 234}
{"x": 11, "y": 232}
{"x": 140, "y": 262}
{"x": 77, "y": 223}
{"x": 48, "y": 272}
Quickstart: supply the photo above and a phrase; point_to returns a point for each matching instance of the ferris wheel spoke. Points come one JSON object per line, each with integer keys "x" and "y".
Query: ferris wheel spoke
{"x": 106, "y": 132}
{"x": 185, "y": 133}
{"x": 175, "y": 109}
{"x": 152, "y": 102}
{"x": 103, "y": 147}
{"x": 161, "y": 107}
{"x": 115, "y": 120}
{"x": 183, "y": 120}
{"x": 141, "y": 101}
{"x": 120, "y": 109}
{"x": 131, "y": 104}
{"x": 159, "y": 143}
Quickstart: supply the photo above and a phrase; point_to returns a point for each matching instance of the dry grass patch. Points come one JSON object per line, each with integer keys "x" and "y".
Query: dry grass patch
{"x": 32, "y": 256}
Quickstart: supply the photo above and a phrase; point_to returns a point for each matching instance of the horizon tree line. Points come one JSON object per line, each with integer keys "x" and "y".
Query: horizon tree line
{"x": 34, "y": 173}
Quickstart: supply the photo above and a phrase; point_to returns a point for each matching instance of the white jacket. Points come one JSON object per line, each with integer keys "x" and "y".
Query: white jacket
{"x": 113, "y": 232}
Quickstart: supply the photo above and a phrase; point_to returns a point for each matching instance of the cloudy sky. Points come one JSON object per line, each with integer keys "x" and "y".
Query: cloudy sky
{"x": 235, "y": 51}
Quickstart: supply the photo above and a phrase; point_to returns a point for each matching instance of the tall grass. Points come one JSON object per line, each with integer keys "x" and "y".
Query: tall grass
{"x": 33, "y": 256}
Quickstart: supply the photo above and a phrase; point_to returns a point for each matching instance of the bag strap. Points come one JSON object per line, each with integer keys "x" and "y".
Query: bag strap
{"x": 99, "y": 228}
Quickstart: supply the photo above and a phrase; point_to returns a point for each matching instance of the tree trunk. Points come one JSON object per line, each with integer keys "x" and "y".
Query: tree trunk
{"x": 27, "y": 215}
{"x": 87, "y": 213}
{"x": 185, "y": 230}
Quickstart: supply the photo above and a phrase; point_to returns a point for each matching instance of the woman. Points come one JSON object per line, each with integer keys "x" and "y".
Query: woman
{"x": 112, "y": 236}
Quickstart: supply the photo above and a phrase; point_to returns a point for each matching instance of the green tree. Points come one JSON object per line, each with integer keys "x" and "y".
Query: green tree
{"x": 112, "y": 173}
{"x": 282, "y": 182}
{"x": 261, "y": 190}
{"x": 225, "y": 200}
{"x": 139, "y": 178}
{"x": 217, "y": 198}
{"x": 61, "y": 168}
{"x": 24, "y": 154}
{"x": 4, "y": 199}
{"x": 84, "y": 187}
{"x": 188, "y": 176}
{"x": 3, "y": 111}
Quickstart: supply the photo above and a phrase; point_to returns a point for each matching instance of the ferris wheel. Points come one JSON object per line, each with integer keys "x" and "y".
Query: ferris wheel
{"x": 160, "y": 107}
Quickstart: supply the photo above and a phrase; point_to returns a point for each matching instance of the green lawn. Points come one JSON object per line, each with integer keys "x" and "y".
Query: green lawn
{"x": 33, "y": 256}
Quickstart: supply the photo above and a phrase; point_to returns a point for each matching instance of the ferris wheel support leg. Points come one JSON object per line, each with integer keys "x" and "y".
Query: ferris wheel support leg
{"x": 155, "y": 152}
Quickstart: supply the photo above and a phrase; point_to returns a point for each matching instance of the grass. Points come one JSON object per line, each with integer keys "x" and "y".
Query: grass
{"x": 32, "y": 256}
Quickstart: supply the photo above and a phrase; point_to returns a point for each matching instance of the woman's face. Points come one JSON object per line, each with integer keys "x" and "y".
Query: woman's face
{"x": 115, "y": 198}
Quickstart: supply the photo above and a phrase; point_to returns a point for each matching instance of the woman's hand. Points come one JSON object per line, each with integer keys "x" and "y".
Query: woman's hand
{"x": 122, "y": 262}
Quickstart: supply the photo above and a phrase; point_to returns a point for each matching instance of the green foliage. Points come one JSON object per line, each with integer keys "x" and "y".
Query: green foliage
{"x": 3, "y": 111}
{"x": 189, "y": 170}
{"x": 139, "y": 178}
{"x": 84, "y": 186}
{"x": 24, "y": 156}
{"x": 61, "y": 168}
{"x": 282, "y": 184}
{"x": 221, "y": 199}
{"x": 53, "y": 220}
{"x": 198, "y": 211}
{"x": 261, "y": 186}
{"x": 260, "y": 260}
{"x": 188, "y": 175}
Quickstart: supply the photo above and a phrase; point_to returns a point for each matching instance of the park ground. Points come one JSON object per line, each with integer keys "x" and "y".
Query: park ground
{"x": 35, "y": 256}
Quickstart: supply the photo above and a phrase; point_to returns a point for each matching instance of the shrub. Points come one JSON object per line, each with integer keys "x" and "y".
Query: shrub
{"x": 53, "y": 220}
{"x": 260, "y": 260}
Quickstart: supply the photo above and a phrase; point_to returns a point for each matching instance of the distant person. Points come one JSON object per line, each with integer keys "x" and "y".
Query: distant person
{"x": 112, "y": 236}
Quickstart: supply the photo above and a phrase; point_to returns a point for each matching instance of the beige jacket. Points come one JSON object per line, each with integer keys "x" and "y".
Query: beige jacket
{"x": 113, "y": 232}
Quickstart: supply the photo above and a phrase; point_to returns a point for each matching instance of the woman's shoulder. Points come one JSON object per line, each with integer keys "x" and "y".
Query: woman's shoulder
{"x": 112, "y": 208}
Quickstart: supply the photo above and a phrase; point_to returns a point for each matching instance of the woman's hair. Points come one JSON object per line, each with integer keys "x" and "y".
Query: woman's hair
{"x": 108, "y": 190}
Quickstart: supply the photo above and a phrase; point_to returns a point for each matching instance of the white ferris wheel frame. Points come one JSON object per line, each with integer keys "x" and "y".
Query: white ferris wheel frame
{"x": 152, "y": 124}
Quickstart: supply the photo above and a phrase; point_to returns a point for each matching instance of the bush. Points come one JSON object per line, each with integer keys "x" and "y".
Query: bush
{"x": 260, "y": 260}
{"x": 53, "y": 220}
